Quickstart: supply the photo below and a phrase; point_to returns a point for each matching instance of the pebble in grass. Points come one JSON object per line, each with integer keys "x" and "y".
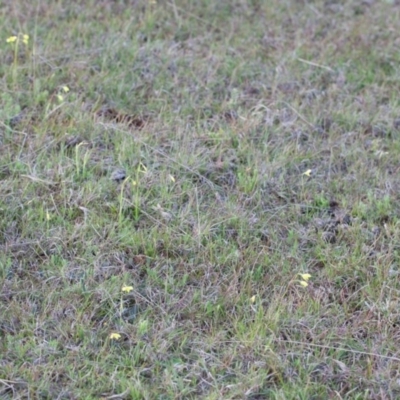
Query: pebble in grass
{"x": 118, "y": 175}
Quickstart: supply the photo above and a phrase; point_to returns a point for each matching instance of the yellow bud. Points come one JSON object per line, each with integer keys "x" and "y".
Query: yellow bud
{"x": 115, "y": 336}
{"x": 127, "y": 289}
{"x": 305, "y": 277}
{"x": 11, "y": 39}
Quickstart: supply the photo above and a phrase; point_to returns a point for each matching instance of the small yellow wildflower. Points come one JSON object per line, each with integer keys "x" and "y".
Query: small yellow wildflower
{"x": 308, "y": 172}
{"x": 25, "y": 39}
{"x": 115, "y": 336}
{"x": 253, "y": 299}
{"x": 60, "y": 98}
{"x": 65, "y": 89}
{"x": 303, "y": 283}
{"x": 305, "y": 277}
{"x": 127, "y": 289}
{"x": 11, "y": 39}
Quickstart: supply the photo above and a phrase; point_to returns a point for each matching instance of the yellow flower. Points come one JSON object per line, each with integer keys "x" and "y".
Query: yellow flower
{"x": 305, "y": 277}
{"x": 65, "y": 89}
{"x": 303, "y": 283}
{"x": 115, "y": 336}
{"x": 253, "y": 299}
{"x": 308, "y": 172}
{"x": 11, "y": 39}
{"x": 60, "y": 98}
{"x": 127, "y": 289}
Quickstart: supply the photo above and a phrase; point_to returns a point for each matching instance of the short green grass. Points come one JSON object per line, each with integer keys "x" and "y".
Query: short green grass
{"x": 259, "y": 140}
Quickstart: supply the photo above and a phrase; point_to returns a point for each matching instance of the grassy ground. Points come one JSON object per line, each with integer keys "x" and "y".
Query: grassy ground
{"x": 171, "y": 172}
